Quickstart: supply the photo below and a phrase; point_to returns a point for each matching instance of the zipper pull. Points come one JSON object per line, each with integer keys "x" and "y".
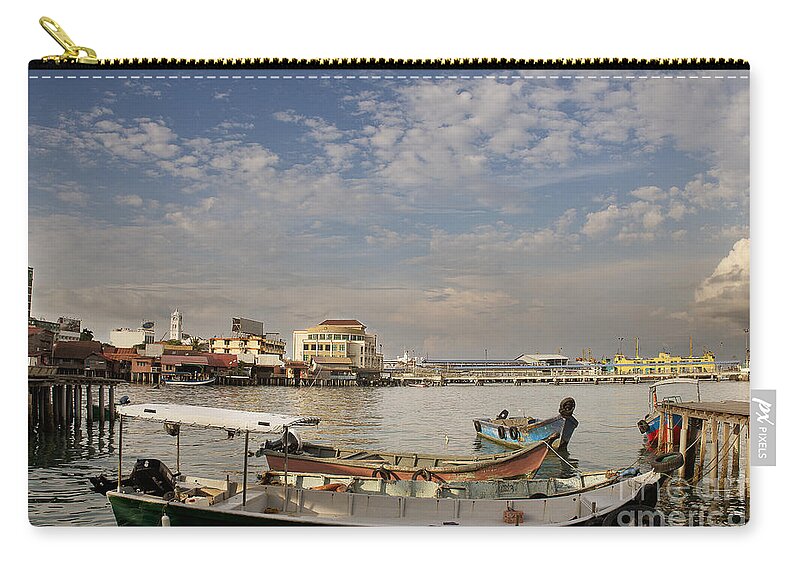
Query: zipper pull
{"x": 72, "y": 53}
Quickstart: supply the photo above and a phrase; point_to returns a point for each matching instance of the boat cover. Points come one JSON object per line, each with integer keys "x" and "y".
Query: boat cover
{"x": 207, "y": 417}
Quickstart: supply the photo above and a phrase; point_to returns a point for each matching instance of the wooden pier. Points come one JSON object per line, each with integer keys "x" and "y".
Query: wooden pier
{"x": 56, "y": 402}
{"x": 715, "y": 431}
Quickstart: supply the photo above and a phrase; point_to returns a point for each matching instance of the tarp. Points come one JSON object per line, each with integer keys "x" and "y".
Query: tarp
{"x": 200, "y": 416}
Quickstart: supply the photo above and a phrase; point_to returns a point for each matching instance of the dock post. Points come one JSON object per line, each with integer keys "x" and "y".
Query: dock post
{"x": 682, "y": 444}
{"x": 70, "y": 406}
{"x": 701, "y": 461}
{"x": 737, "y": 432}
{"x": 714, "y": 450}
{"x": 56, "y": 407}
{"x": 726, "y": 445}
{"x": 62, "y": 402}
{"x": 746, "y": 446}
{"x": 78, "y": 398}
{"x": 89, "y": 411}
{"x": 670, "y": 433}
{"x": 101, "y": 406}
{"x": 48, "y": 407}
{"x": 111, "y": 404}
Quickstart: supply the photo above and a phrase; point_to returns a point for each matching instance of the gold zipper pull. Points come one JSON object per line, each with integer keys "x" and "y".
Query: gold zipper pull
{"x": 72, "y": 52}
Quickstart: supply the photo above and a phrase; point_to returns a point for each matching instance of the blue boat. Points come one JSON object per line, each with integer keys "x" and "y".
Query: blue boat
{"x": 526, "y": 430}
{"x": 650, "y": 425}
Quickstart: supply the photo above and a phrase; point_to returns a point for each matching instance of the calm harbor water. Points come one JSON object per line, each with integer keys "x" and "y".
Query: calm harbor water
{"x": 435, "y": 420}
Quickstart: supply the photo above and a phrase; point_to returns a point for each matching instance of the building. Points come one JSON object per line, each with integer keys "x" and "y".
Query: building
{"x": 254, "y": 345}
{"x": 69, "y": 329}
{"x": 127, "y": 338}
{"x": 84, "y": 357}
{"x": 176, "y": 326}
{"x": 40, "y": 344}
{"x": 30, "y": 290}
{"x": 338, "y": 346}
{"x": 543, "y": 359}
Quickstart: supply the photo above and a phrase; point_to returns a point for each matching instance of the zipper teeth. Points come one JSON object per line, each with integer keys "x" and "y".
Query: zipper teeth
{"x": 390, "y": 63}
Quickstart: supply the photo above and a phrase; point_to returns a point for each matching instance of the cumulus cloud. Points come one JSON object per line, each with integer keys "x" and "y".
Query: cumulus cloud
{"x": 725, "y": 294}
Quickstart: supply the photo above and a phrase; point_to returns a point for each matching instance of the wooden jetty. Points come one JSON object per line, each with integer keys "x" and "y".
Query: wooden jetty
{"x": 713, "y": 431}
{"x": 57, "y": 401}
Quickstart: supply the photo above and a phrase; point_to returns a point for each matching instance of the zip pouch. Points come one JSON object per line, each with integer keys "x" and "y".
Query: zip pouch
{"x": 378, "y": 292}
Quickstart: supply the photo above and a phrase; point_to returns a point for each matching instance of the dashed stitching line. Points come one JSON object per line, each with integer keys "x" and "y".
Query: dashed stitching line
{"x": 400, "y": 77}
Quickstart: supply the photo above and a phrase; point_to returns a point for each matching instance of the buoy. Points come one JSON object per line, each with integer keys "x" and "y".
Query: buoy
{"x": 165, "y": 520}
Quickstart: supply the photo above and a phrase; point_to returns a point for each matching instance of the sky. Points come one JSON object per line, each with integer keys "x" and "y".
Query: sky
{"x": 487, "y": 213}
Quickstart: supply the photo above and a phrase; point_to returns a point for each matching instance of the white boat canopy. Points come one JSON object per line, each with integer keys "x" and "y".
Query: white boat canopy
{"x": 220, "y": 418}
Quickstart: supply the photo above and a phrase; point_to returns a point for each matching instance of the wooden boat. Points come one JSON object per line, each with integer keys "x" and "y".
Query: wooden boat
{"x": 486, "y": 489}
{"x": 194, "y": 501}
{"x": 650, "y": 425}
{"x": 152, "y": 495}
{"x": 316, "y": 458}
{"x": 518, "y": 431}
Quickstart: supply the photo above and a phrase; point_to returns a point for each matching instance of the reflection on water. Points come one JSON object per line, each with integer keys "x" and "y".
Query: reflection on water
{"x": 434, "y": 420}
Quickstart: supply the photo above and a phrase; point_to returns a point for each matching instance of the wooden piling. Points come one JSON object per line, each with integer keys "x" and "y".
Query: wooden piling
{"x": 101, "y": 406}
{"x": 62, "y": 402}
{"x": 89, "y": 411}
{"x": 726, "y": 437}
{"x": 78, "y": 402}
{"x": 111, "y": 404}
{"x": 682, "y": 443}
{"x": 662, "y": 428}
{"x": 701, "y": 460}
{"x": 714, "y": 450}
{"x": 70, "y": 407}
{"x": 736, "y": 443}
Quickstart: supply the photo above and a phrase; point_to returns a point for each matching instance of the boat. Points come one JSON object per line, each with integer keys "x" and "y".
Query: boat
{"x": 418, "y": 385}
{"x": 316, "y": 458}
{"x": 188, "y": 381}
{"x": 650, "y": 425}
{"x": 520, "y": 431}
{"x": 152, "y": 495}
{"x": 486, "y": 489}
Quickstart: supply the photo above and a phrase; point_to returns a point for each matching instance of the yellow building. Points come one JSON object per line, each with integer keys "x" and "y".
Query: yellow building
{"x": 252, "y": 344}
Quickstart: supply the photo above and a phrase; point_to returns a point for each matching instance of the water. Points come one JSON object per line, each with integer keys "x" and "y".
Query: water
{"x": 435, "y": 420}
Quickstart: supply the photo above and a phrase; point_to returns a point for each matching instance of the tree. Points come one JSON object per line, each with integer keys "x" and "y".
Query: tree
{"x": 86, "y": 334}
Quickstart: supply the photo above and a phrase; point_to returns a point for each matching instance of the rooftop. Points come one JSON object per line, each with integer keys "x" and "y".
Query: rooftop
{"x": 342, "y": 322}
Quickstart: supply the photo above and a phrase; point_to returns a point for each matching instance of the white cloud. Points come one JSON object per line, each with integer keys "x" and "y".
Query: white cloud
{"x": 129, "y": 200}
{"x": 649, "y": 193}
{"x": 725, "y": 294}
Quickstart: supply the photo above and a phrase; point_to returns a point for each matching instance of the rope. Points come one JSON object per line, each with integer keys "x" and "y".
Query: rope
{"x": 547, "y": 443}
{"x": 619, "y": 427}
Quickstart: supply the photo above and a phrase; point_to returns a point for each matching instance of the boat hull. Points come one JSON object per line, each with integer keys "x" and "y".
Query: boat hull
{"x": 559, "y": 428}
{"x": 276, "y": 505}
{"x": 521, "y": 463}
{"x": 139, "y": 510}
{"x": 650, "y": 437}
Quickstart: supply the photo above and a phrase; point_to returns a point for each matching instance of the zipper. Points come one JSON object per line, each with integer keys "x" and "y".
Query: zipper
{"x": 78, "y": 57}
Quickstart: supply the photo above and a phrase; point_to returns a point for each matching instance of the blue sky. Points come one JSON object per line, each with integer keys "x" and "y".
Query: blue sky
{"x": 449, "y": 215}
